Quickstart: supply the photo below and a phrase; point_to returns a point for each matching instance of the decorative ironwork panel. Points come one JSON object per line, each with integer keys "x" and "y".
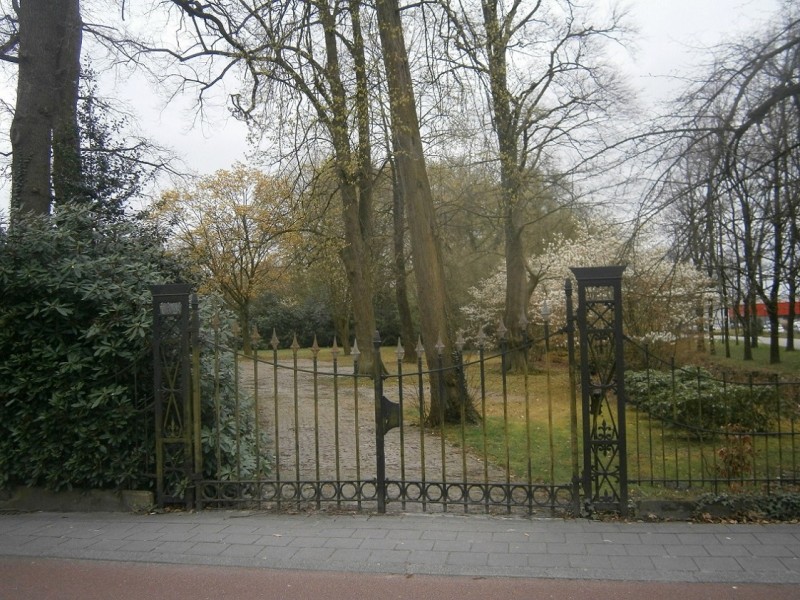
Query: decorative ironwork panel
{"x": 172, "y": 393}
{"x": 602, "y": 387}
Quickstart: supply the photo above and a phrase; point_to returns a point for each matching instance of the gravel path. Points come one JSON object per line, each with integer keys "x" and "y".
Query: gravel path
{"x": 333, "y": 438}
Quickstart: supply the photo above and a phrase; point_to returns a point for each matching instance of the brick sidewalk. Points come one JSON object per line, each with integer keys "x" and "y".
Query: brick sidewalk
{"x": 418, "y": 544}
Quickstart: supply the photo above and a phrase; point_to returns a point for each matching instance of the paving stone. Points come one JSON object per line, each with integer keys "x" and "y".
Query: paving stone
{"x": 390, "y": 556}
{"x": 673, "y": 563}
{"x": 686, "y": 550}
{"x": 443, "y": 544}
{"x": 589, "y": 562}
{"x": 717, "y": 563}
{"x": 207, "y": 548}
{"x": 467, "y": 558}
{"x": 638, "y": 563}
{"x": 242, "y": 550}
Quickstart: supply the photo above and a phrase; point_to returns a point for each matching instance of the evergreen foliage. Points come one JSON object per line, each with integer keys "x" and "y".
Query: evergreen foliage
{"x": 692, "y": 399}
{"x": 75, "y": 374}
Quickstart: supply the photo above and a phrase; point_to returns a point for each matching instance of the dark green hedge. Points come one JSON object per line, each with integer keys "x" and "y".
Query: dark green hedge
{"x": 692, "y": 399}
{"x": 75, "y": 365}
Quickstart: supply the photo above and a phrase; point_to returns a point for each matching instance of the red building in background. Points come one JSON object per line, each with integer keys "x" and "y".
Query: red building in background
{"x": 761, "y": 311}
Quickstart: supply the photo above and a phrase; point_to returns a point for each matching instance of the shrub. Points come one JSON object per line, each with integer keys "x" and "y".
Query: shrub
{"x": 76, "y": 396}
{"x": 75, "y": 370}
{"x": 228, "y": 421}
{"x": 692, "y": 399}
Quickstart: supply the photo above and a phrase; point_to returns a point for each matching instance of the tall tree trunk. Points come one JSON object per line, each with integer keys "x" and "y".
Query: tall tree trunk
{"x": 67, "y": 172}
{"x": 400, "y": 285}
{"x": 45, "y": 124}
{"x": 448, "y": 396}
{"x": 518, "y": 288}
{"x": 355, "y": 183}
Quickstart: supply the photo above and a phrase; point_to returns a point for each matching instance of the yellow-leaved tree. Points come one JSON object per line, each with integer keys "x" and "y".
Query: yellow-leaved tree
{"x": 234, "y": 227}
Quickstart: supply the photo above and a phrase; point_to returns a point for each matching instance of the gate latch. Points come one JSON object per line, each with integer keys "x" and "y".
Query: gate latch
{"x": 390, "y": 414}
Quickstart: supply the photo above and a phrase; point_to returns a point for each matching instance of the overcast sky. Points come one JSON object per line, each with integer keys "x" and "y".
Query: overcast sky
{"x": 672, "y": 34}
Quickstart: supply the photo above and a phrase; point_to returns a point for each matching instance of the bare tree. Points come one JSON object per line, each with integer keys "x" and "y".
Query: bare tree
{"x": 290, "y": 55}
{"x": 550, "y": 94}
{"x": 741, "y": 123}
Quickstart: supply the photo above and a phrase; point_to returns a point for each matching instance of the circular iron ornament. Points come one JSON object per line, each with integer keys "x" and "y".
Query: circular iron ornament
{"x": 542, "y": 495}
{"x": 564, "y": 496}
{"x": 498, "y": 494}
{"x": 308, "y": 491}
{"x": 247, "y": 491}
{"x": 348, "y": 490}
{"x": 269, "y": 491}
{"x": 208, "y": 491}
{"x": 394, "y": 490}
{"x": 520, "y": 494}
{"x": 477, "y": 493}
{"x": 456, "y": 492}
{"x": 329, "y": 490}
{"x": 289, "y": 491}
{"x": 414, "y": 492}
{"x": 229, "y": 491}
{"x": 369, "y": 490}
{"x": 434, "y": 492}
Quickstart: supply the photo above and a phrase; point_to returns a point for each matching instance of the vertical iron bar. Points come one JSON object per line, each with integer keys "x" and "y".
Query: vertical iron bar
{"x": 780, "y": 429}
{"x": 462, "y": 378}
{"x": 296, "y": 399}
{"x": 194, "y": 343}
{"x": 400, "y": 400}
{"x": 420, "y": 350}
{"x": 638, "y": 442}
{"x": 442, "y": 399}
{"x": 549, "y": 391}
{"x": 356, "y": 354}
{"x": 254, "y": 339}
{"x": 503, "y": 354}
{"x": 649, "y": 414}
{"x": 482, "y": 360}
{"x": 315, "y": 353}
{"x": 237, "y": 417}
{"x": 675, "y": 423}
{"x": 217, "y": 407}
{"x": 158, "y": 401}
{"x": 622, "y": 397}
{"x": 335, "y": 353}
{"x": 573, "y": 400}
{"x": 527, "y": 392}
{"x": 753, "y": 439}
{"x": 380, "y": 451}
{"x": 792, "y": 423}
{"x": 586, "y": 401}
{"x": 274, "y": 343}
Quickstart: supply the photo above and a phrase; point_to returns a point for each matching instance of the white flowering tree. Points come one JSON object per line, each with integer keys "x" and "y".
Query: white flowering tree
{"x": 662, "y": 298}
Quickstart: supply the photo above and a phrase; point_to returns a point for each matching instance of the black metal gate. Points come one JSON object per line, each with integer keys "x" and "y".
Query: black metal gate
{"x": 281, "y": 411}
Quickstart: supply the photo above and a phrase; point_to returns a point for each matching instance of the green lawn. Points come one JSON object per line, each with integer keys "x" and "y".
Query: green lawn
{"x": 789, "y": 365}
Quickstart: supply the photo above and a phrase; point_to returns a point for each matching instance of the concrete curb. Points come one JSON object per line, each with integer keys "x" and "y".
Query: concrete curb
{"x": 27, "y": 499}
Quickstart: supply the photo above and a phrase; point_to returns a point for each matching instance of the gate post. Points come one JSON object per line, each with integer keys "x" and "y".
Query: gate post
{"x": 605, "y": 468}
{"x": 172, "y": 394}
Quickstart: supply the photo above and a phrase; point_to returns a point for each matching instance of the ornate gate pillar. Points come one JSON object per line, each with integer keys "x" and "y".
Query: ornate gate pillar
{"x": 605, "y": 469}
{"x": 172, "y": 394}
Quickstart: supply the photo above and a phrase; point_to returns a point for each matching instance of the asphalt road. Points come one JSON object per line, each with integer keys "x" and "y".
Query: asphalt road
{"x": 57, "y": 579}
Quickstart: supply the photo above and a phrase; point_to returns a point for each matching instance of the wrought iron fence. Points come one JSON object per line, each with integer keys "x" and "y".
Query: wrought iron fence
{"x": 323, "y": 448}
{"x": 296, "y": 427}
{"x": 694, "y": 431}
